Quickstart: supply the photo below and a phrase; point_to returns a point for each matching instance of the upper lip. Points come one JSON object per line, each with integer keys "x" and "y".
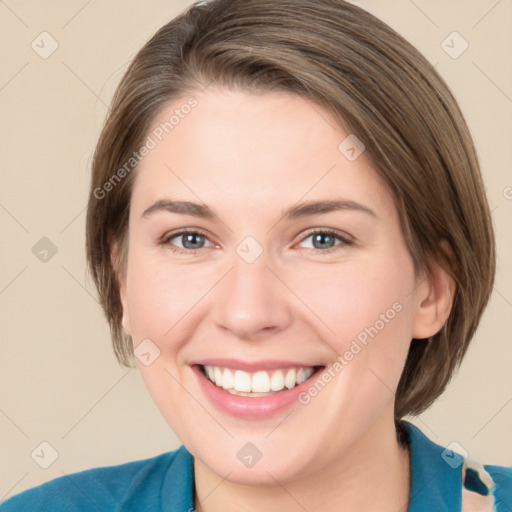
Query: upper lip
{"x": 251, "y": 366}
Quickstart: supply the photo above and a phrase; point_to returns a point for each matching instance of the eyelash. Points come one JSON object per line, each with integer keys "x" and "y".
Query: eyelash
{"x": 345, "y": 241}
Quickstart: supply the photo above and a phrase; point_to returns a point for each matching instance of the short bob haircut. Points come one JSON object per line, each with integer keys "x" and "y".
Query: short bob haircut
{"x": 380, "y": 88}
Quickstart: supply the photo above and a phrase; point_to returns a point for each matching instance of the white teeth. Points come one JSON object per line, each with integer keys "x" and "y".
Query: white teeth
{"x": 277, "y": 381}
{"x": 217, "y": 372}
{"x": 290, "y": 379}
{"x": 227, "y": 379}
{"x": 301, "y": 376}
{"x": 242, "y": 381}
{"x": 258, "y": 382}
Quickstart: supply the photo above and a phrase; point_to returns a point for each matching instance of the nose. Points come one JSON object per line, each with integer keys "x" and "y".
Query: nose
{"x": 251, "y": 301}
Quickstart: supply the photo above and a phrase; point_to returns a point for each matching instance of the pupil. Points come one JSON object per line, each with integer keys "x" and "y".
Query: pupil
{"x": 189, "y": 238}
{"x": 321, "y": 237}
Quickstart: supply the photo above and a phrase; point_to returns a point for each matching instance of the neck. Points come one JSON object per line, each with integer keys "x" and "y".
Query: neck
{"x": 373, "y": 475}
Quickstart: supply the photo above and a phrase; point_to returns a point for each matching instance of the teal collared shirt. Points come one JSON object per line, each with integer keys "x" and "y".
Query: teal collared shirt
{"x": 441, "y": 481}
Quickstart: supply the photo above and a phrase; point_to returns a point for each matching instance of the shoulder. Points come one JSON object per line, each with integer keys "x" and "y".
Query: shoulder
{"x": 486, "y": 488}
{"x": 443, "y": 479}
{"x": 102, "y": 488}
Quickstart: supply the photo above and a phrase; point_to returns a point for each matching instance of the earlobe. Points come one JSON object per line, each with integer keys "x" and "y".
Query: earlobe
{"x": 434, "y": 301}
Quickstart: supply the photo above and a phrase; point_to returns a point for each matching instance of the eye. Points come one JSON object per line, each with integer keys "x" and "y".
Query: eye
{"x": 191, "y": 241}
{"x": 324, "y": 240}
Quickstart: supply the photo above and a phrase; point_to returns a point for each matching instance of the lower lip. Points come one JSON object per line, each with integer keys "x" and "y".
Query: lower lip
{"x": 251, "y": 408}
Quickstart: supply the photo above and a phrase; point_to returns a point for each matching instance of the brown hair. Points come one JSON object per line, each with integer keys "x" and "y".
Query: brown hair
{"x": 377, "y": 85}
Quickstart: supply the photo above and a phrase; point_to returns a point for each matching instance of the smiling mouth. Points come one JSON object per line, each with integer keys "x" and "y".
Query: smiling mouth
{"x": 259, "y": 383}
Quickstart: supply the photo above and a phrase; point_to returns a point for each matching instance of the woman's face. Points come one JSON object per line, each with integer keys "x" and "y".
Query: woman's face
{"x": 266, "y": 287}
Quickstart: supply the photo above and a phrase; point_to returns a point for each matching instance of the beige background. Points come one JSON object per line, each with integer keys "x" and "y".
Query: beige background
{"x": 59, "y": 380}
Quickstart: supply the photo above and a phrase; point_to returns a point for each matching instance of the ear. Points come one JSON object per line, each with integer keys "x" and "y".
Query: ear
{"x": 433, "y": 300}
{"x": 120, "y": 274}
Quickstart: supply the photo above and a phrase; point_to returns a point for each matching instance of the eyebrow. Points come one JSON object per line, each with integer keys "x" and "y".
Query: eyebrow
{"x": 300, "y": 210}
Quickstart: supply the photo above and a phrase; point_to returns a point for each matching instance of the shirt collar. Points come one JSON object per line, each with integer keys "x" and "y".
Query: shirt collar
{"x": 436, "y": 481}
{"x": 177, "y": 491}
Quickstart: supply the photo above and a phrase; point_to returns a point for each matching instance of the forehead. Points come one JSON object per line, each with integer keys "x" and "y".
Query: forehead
{"x": 252, "y": 149}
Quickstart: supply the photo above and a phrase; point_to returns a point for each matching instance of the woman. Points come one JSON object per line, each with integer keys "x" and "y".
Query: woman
{"x": 290, "y": 237}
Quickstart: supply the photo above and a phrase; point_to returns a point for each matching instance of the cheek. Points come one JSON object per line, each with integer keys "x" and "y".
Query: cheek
{"x": 359, "y": 300}
{"x": 160, "y": 296}
{"x": 367, "y": 307}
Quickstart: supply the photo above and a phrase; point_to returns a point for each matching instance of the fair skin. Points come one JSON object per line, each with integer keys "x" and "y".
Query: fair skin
{"x": 249, "y": 157}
